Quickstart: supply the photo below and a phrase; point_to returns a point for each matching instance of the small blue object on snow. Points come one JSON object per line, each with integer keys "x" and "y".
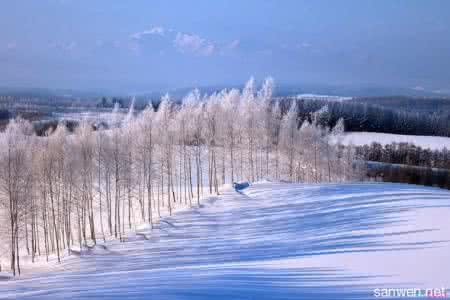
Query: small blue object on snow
{"x": 240, "y": 186}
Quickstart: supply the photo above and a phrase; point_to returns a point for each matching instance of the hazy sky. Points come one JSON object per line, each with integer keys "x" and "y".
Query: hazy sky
{"x": 145, "y": 45}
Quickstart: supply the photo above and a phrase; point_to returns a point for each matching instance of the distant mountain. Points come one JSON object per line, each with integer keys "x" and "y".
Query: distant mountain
{"x": 281, "y": 89}
{"x": 50, "y": 93}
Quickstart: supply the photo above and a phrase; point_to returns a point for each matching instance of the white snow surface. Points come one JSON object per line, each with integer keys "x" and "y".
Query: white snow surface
{"x": 367, "y": 138}
{"x": 323, "y": 97}
{"x": 269, "y": 241}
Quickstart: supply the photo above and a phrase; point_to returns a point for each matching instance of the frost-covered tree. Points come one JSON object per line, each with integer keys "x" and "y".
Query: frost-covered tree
{"x": 64, "y": 191}
{"x": 15, "y": 182}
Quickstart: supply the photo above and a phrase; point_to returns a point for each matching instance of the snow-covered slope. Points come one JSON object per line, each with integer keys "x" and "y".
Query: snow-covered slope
{"x": 269, "y": 241}
{"x": 424, "y": 141}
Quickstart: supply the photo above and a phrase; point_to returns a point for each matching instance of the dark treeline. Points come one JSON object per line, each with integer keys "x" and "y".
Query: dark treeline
{"x": 106, "y": 102}
{"x": 4, "y": 114}
{"x": 405, "y": 154}
{"x": 43, "y": 128}
{"x": 409, "y": 174}
{"x": 373, "y": 118}
{"x": 410, "y": 104}
{"x": 407, "y": 163}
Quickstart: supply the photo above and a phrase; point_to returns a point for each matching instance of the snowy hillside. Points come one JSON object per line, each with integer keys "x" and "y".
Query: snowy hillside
{"x": 270, "y": 241}
{"x": 366, "y": 138}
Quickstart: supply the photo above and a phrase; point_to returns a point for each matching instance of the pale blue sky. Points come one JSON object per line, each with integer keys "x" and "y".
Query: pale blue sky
{"x": 145, "y": 45}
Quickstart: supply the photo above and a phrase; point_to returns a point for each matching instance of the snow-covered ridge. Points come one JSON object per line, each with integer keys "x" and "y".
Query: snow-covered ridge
{"x": 271, "y": 241}
{"x": 323, "y": 97}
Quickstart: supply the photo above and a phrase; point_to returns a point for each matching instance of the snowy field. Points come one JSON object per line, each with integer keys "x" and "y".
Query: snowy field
{"x": 270, "y": 241}
{"x": 424, "y": 141}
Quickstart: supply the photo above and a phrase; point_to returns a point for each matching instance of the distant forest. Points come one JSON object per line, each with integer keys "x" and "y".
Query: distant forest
{"x": 413, "y": 116}
{"x": 409, "y": 104}
{"x": 409, "y": 174}
{"x": 406, "y": 163}
{"x": 405, "y": 154}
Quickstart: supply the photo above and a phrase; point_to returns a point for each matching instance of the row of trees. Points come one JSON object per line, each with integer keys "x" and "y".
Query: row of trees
{"x": 67, "y": 190}
{"x": 406, "y": 154}
{"x": 430, "y": 105}
{"x": 372, "y": 118}
{"x": 409, "y": 174}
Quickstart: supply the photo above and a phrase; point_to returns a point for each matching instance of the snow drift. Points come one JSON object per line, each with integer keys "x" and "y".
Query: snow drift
{"x": 269, "y": 241}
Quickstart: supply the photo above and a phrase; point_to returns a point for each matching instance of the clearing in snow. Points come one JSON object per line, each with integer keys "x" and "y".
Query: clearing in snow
{"x": 268, "y": 241}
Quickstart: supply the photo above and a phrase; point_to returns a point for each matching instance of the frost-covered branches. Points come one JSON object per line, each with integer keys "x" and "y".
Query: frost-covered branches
{"x": 64, "y": 191}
